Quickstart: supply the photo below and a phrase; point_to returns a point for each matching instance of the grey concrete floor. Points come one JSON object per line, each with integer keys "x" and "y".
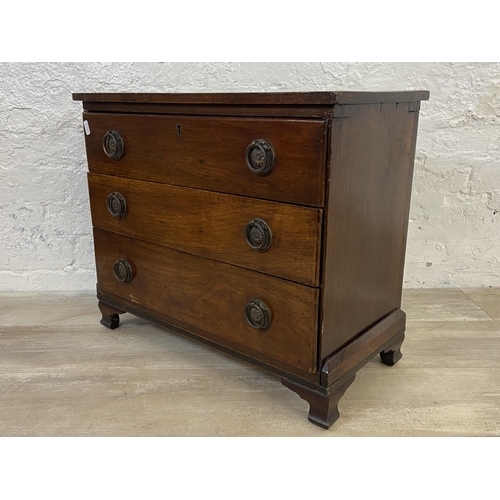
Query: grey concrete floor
{"x": 63, "y": 374}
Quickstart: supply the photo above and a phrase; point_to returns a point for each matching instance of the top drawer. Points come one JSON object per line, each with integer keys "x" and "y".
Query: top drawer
{"x": 211, "y": 153}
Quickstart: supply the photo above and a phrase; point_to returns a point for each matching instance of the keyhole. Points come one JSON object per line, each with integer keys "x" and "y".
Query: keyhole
{"x": 178, "y": 130}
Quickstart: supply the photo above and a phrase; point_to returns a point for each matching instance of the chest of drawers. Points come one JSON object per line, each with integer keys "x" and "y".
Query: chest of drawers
{"x": 270, "y": 226}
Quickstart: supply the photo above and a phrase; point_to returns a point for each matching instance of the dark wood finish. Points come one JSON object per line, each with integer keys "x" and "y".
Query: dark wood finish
{"x": 381, "y": 97}
{"x": 362, "y": 349}
{"x": 211, "y": 109}
{"x": 366, "y": 223}
{"x": 339, "y": 371}
{"x": 216, "y": 98}
{"x": 323, "y": 406}
{"x": 213, "y": 225}
{"x": 209, "y": 153}
{"x": 210, "y": 297}
{"x": 269, "y": 364}
{"x": 259, "y": 98}
{"x": 110, "y": 315}
{"x": 392, "y": 353}
{"x": 187, "y": 236}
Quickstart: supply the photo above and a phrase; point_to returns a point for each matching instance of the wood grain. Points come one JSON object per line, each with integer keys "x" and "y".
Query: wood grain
{"x": 258, "y": 98}
{"x": 209, "y": 153}
{"x": 366, "y": 222}
{"x": 189, "y": 193}
{"x": 272, "y": 365}
{"x": 212, "y": 225}
{"x": 209, "y": 298}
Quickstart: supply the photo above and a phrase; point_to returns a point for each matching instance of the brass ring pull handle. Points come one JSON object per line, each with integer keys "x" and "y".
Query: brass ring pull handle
{"x": 258, "y": 314}
{"x": 117, "y": 205}
{"x": 123, "y": 271}
{"x": 258, "y": 235}
{"x": 260, "y": 157}
{"x": 113, "y": 144}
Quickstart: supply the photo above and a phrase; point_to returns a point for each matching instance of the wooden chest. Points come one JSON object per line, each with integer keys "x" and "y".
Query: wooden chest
{"x": 271, "y": 226}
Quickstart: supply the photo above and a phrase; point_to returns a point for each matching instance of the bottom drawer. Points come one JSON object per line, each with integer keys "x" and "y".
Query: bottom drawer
{"x": 263, "y": 317}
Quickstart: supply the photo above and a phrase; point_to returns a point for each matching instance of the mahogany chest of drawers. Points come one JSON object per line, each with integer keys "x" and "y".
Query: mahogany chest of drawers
{"x": 271, "y": 226}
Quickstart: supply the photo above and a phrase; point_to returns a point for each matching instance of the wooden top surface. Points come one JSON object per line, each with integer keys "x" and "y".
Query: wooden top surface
{"x": 258, "y": 98}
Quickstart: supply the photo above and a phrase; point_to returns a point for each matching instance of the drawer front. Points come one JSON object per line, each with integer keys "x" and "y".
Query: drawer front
{"x": 211, "y": 153}
{"x": 213, "y": 299}
{"x": 212, "y": 225}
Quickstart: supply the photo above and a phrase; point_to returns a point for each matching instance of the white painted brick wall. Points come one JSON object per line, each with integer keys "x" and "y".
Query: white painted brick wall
{"x": 45, "y": 227}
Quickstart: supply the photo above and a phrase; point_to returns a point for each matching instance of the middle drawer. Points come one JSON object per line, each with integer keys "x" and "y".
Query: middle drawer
{"x": 274, "y": 238}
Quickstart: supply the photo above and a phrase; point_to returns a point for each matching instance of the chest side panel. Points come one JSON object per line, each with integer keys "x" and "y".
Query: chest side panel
{"x": 371, "y": 170}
